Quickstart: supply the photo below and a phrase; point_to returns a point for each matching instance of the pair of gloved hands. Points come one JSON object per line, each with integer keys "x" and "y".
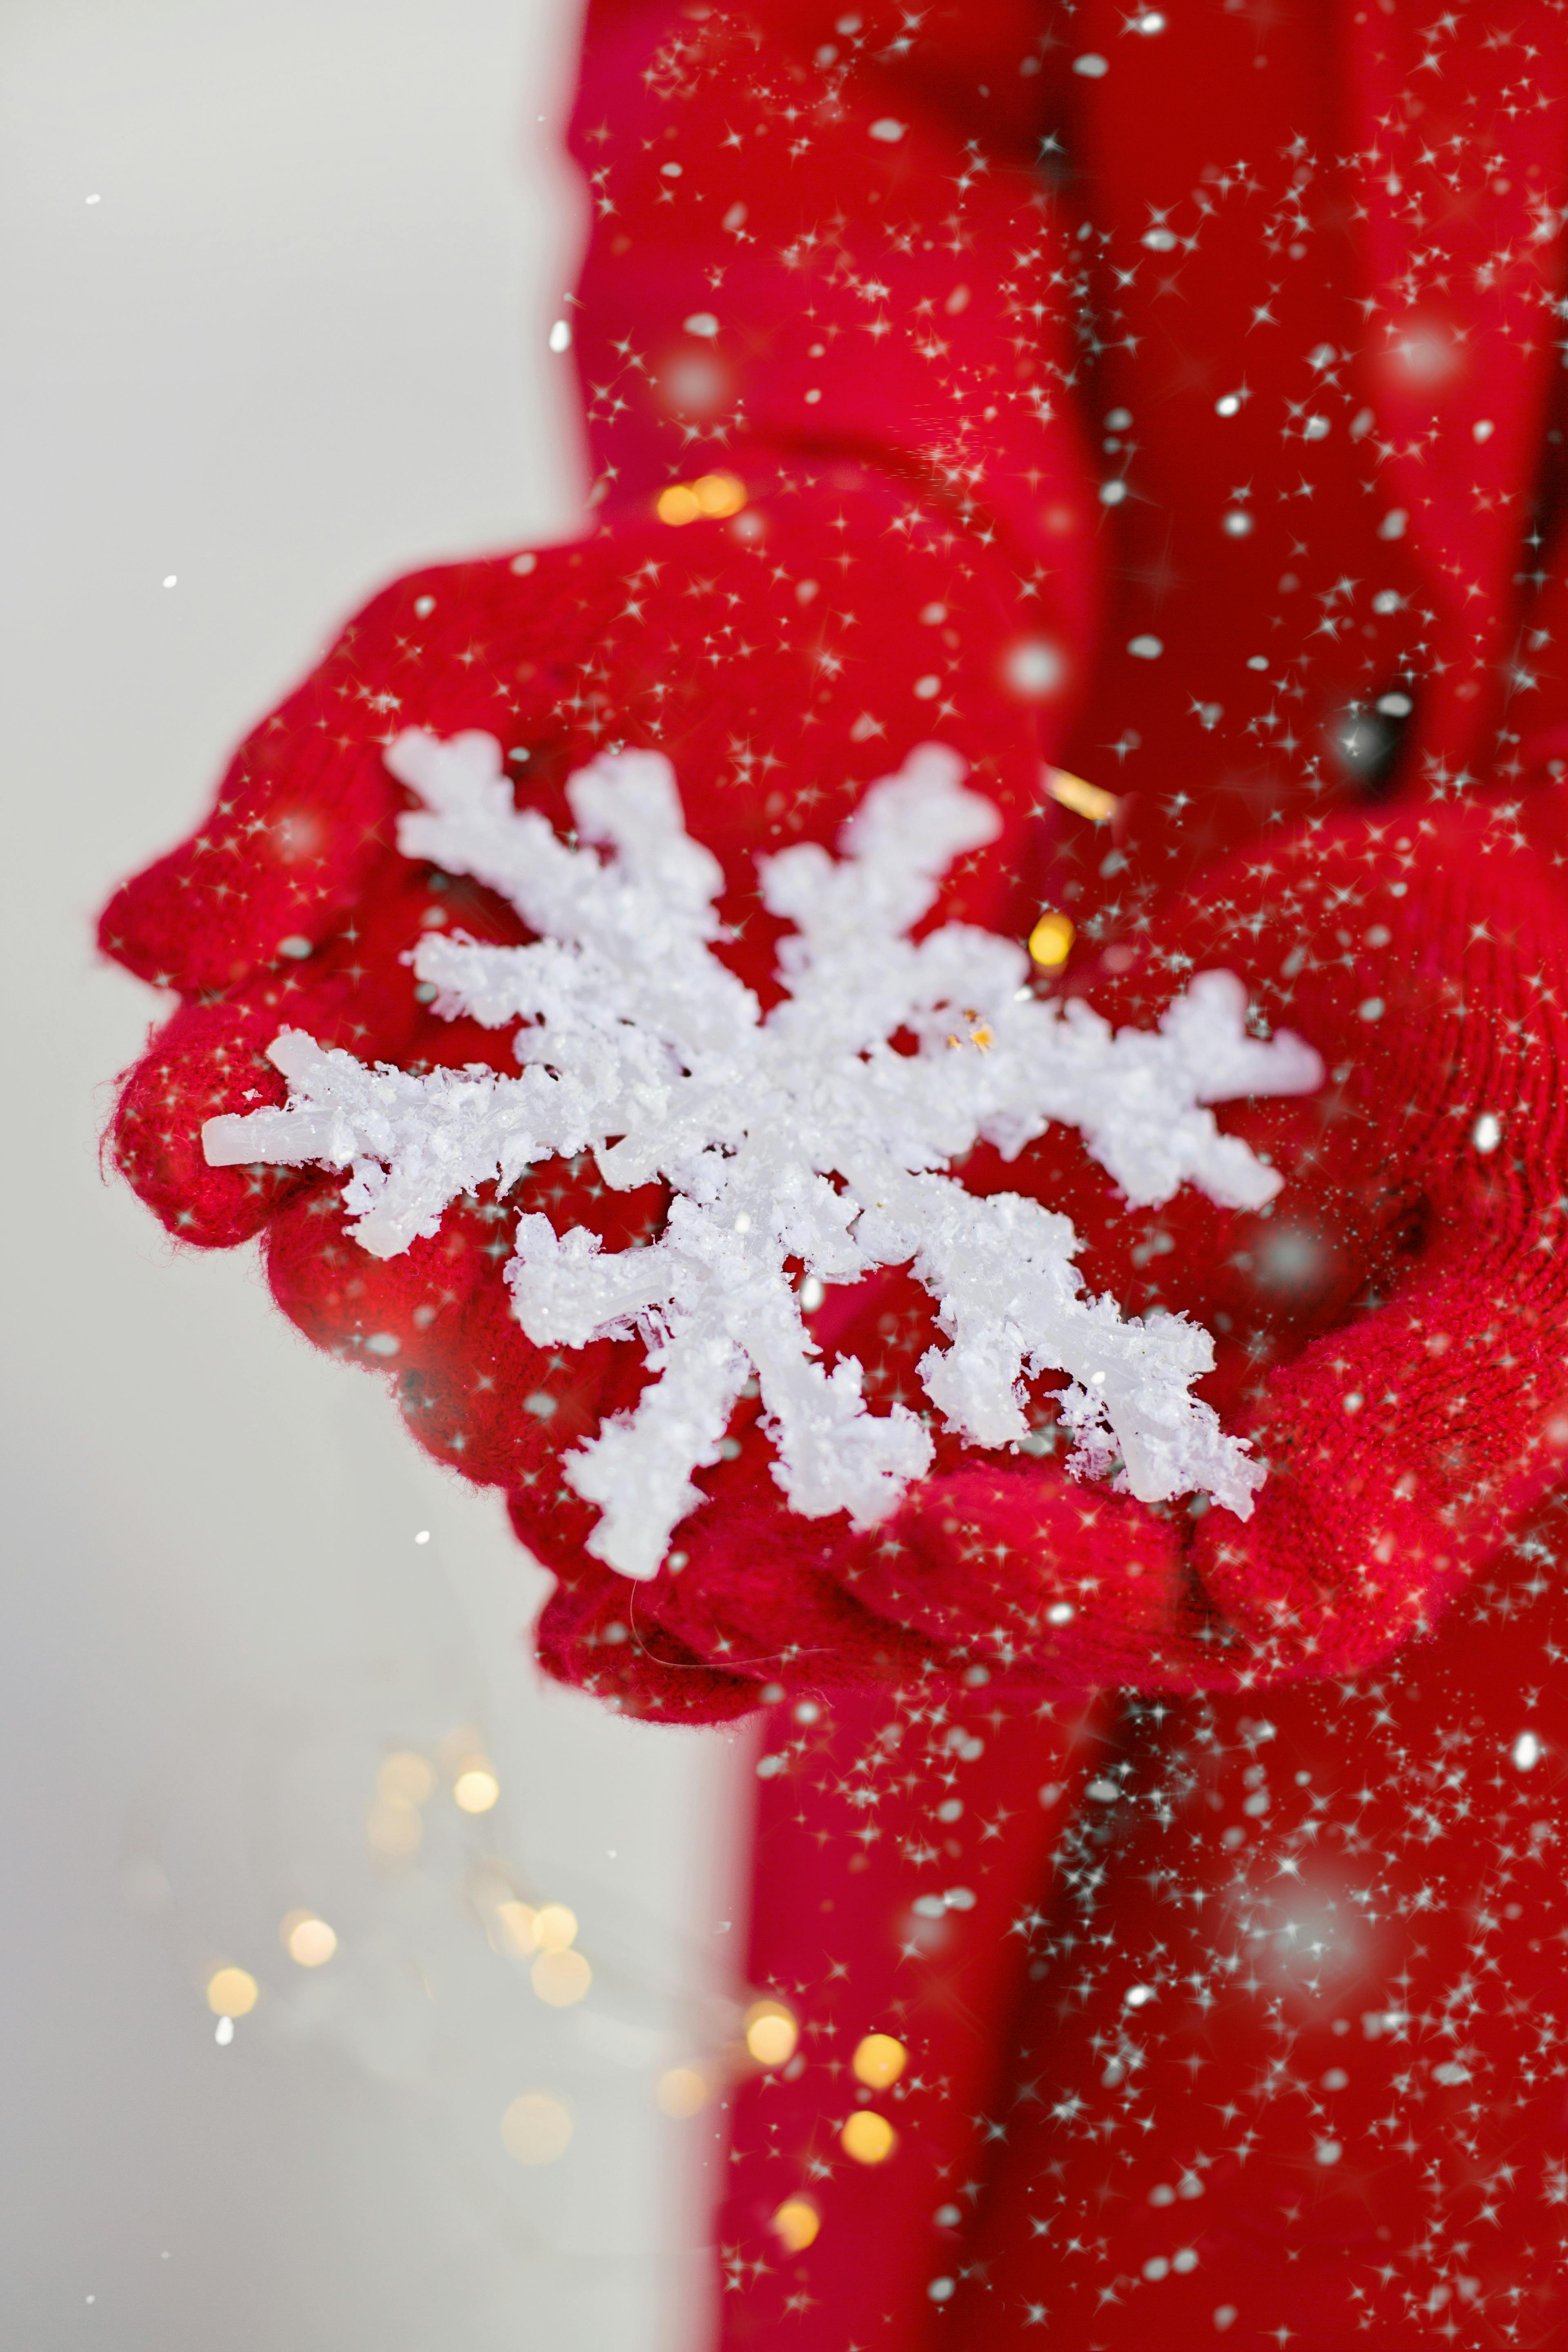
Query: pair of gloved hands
{"x": 1387, "y": 1331}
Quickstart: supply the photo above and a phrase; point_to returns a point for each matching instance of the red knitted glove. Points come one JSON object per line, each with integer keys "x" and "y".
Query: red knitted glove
{"x": 785, "y": 658}
{"x": 1414, "y": 1250}
{"x": 1389, "y": 1330}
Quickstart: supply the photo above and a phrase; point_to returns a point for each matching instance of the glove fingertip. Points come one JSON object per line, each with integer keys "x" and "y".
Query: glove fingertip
{"x": 193, "y": 1070}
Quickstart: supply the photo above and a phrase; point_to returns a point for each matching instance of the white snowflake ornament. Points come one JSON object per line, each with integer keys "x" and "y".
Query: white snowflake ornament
{"x": 804, "y": 1136}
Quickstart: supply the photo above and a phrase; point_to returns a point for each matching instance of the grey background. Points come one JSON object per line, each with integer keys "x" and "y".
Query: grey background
{"x": 298, "y": 345}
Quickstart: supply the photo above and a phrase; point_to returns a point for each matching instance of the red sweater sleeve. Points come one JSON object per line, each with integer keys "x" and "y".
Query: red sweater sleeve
{"x": 818, "y": 235}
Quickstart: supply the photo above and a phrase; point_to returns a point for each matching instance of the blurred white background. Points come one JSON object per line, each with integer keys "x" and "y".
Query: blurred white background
{"x": 276, "y": 283}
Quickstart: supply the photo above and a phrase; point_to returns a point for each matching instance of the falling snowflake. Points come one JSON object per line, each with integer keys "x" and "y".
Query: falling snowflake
{"x": 803, "y": 1136}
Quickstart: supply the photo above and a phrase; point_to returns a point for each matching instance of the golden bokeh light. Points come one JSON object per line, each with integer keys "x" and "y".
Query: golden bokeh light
{"x": 306, "y": 1939}
{"x": 771, "y": 2032}
{"x": 713, "y": 495}
{"x": 797, "y": 2223}
{"x": 1050, "y": 941}
{"x": 395, "y": 1831}
{"x": 232, "y": 1992}
{"x": 475, "y": 1789}
{"x": 404, "y": 1778}
{"x": 1084, "y": 799}
{"x": 561, "y": 1978}
{"x": 517, "y": 1925}
{"x": 720, "y": 494}
{"x": 681, "y": 2091}
{"x": 463, "y": 1745}
{"x": 879, "y": 2061}
{"x": 536, "y": 2128}
{"x": 555, "y": 1927}
{"x": 867, "y": 2137}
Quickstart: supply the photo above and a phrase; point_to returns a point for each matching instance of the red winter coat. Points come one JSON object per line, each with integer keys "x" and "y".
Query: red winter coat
{"x": 1174, "y": 395}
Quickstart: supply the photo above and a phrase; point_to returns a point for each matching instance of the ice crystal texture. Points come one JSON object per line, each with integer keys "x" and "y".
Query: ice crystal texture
{"x": 803, "y": 1136}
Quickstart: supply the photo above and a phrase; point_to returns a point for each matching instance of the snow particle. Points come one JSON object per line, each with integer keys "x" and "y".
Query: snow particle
{"x": 701, "y": 322}
{"x": 561, "y": 335}
{"x": 1091, "y": 65}
{"x": 1228, "y": 405}
{"x": 423, "y": 1537}
{"x": 943, "y": 2290}
{"x": 1060, "y": 1613}
{"x": 889, "y": 129}
{"x": 384, "y": 1343}
{"x": 1526, "y": 1751}
{"x": 1482, "y": 429}
{"x": 1371, "y": 1008}
{"x": 1487, "y": 1132}
{"x": 1236, "y": 523}
{"x": 1034, "y": 668}
{"x": 1328, "y": 2151}
{"x": 927, "y": 687}
{"x": 171, "y": 579}
{"x": 1224, "y": 2318}
{"x": 1392, "y": 524}
{"x": 1145, "y": 648}
{"x": 1112, "y": 493}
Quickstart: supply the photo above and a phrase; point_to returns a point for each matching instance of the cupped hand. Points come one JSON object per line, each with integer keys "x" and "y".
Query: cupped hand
{"x": 783, "y": 654}
{"x": 1389, "y": 1330}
